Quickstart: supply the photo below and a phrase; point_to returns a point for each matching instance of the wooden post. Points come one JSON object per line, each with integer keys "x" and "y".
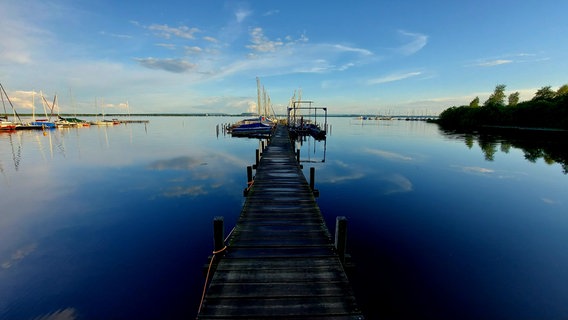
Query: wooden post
{"x": 312, "y": 178}
{"x": 257, "y": 157}
{"x": 249, "y": 181}
{"x": 341, "y": 237}
{"x": 249, "y": 175}
{"x": 218, "y": 233}
{"x": 298, "y": 155}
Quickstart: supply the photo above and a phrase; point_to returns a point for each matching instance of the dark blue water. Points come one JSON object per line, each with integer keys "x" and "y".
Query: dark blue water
{"x": 117, "y": 222}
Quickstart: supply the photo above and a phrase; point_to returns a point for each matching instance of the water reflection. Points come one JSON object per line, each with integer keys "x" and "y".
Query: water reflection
{"x": 312, "y": 150}
{"x": 388, "y": 155}
{"x": 63, "y": 314}
{"x": 551, "y": 147}
{"x": 130, "y": 219}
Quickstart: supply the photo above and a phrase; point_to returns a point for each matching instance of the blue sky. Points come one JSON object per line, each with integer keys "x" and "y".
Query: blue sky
{"x": 351, "y": 56}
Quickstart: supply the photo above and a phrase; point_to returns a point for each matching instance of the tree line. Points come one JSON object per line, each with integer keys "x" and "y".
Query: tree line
{"x": 547, "y": 109}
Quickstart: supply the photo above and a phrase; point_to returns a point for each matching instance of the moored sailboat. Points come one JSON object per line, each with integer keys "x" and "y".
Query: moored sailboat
{"x": 260, "y": 125}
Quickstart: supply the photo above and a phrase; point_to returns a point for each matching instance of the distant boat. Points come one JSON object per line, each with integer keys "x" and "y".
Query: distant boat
{"x": 253, "y": 126}
{"x": 42, "y": 124}
{"x": 102, "y": 123}
{"x": 6, "y": 125}
{"x": 71, "y": 122}
{"x": 261, "y": 125}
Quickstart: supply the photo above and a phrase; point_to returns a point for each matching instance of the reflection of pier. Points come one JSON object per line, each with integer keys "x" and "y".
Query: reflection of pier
{"x": 280, "y": 261}
{"x": 312, "y": 145}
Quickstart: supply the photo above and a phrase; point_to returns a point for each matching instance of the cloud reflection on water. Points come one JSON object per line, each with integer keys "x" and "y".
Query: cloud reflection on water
{"x": 178, "y": 191}
{"x": 388, "y": 155}
{"x": 62, "y": 314}
{"x": 18, "y": 255}
{"x": 211, "y": 167}
{"x": 178, "y": 163}
{"x": 398, "y": 184}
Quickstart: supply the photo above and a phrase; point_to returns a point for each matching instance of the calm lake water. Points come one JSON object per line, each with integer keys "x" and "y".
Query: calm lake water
{"x": 116, "y": 222}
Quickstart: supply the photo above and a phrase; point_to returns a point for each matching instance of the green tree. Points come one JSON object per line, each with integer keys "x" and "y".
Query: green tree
{"x": 544, "y": 93}
{"x": 497, "y": 98}
{"x": 474, "y": 103}
{"x": 514, "y": 99}
{"x": 562, "y": 91}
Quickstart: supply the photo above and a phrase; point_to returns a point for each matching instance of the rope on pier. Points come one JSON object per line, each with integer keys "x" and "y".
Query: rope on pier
{"x": 209, "y": 270}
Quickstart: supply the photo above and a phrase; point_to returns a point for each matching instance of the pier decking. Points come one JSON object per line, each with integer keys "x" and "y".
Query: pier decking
{"x": 280, "y": 261}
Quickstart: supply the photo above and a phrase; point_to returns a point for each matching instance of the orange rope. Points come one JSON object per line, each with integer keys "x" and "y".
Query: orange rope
{"x": 205, "y": 284}
{"x": 250, "y": 183}
{"x": 209, "y": 271}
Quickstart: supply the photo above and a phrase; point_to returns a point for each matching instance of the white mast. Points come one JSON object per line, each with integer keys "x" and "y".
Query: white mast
{"x": 258, "y": 95}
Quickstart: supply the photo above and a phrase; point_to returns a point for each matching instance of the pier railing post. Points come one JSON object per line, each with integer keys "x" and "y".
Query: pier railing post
{"x": 341, "y": 237}
{"x": 312, "y": 178}
{"x": 257, "y": 157}
{"x": 249, "y": 175}
{"x": 298, "y": 155}
{"x": 218, "y": 233}
{"x": 315, "y": 192}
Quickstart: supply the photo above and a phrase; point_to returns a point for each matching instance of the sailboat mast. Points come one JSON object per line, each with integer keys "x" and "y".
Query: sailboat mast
{"x": 33, "y": 105}
{"x": 258, "y": 95}
{"x": 10, "y": 102}
{"x": 265, "y": 111}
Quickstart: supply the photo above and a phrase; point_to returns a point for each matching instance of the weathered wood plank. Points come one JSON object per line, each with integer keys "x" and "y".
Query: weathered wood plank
{"x": 284, "y": 307}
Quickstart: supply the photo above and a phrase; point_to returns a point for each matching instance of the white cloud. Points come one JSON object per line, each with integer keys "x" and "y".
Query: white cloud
{"x": 393, "y": 77}
{"x": 261, "y": 42}
{"x": 193, "y": 50}
{"x": 210, "y": 39}
{"x": 163, "y": 30}
{"x": 492, "y": 63}
{"x": 416, "y": 43}
{"x": 116, "y": 35}
{"x": 166, "y": 45}
{"x": 242, "y": 14}
{"x": 270, "y": 13}
{"x": 171, "y": 65}
{"x": 340, "y": 47}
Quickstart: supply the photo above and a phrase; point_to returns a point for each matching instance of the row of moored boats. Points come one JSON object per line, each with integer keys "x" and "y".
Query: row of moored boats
{"x": 300, "y": 120}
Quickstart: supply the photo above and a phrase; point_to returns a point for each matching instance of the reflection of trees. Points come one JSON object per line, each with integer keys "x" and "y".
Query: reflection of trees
{"x": 533, "y": 154}
{"x": 469, "y": 140}
{"x": 552, "y": 147}
{"x": 505, "y": 147}
{"x": 489, "y": 146}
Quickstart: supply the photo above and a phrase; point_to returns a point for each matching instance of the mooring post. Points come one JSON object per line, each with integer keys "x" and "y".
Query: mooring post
{"x": 249, "y": 175}
{"x": 218, "y": 233}
{"x": 257, "y": 157}
{"x": 249, "y": 181}
{"x": 341, "y": 236}
{"x": 298, "y": 155}
{"x": 312, "y": 178}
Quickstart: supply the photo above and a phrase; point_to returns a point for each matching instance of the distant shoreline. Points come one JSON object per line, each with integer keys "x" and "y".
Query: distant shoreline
{"x": 110, "y": 115}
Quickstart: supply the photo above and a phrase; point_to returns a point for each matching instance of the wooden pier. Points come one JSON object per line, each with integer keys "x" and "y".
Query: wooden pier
{"x": 280, "y": 261}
